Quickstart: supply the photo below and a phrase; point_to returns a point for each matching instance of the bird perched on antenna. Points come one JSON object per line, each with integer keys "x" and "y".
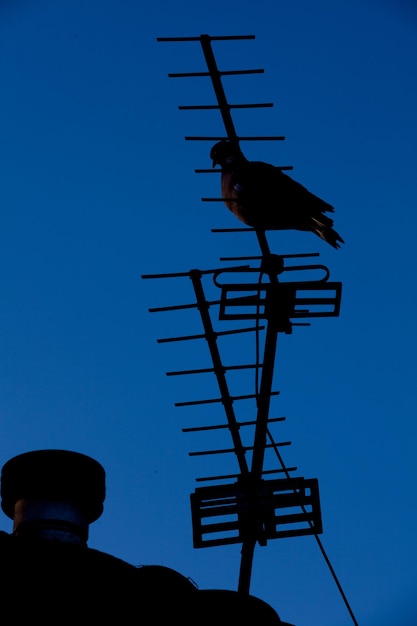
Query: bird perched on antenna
{"x": 263, "y": 197}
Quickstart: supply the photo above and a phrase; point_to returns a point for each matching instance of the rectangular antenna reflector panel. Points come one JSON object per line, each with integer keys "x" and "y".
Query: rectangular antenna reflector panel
{"x": 226, "y": 514}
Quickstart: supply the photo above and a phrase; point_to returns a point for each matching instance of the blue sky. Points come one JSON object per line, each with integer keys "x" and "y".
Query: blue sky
{"x": 98, "y": 188}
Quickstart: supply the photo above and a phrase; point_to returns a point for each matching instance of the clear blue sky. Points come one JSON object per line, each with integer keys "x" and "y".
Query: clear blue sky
{"x": 97, "y": 187}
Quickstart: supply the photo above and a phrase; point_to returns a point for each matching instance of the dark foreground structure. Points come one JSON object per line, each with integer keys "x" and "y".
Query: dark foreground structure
{"x": 50, "y": 575}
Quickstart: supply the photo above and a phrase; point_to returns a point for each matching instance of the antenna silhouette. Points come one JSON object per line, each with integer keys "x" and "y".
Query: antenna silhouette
{"x": 260, "y": 297}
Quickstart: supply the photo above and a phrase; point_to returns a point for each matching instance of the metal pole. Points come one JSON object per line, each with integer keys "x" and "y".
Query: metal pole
{"x": 219, "y": 370}
{"x": 218, "y": 86}
{"x": 263, "y": 404}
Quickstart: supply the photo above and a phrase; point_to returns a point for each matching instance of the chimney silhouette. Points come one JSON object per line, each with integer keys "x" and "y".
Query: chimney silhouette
{"x": 53, "y": 494}
{"x": 49, "y": 573}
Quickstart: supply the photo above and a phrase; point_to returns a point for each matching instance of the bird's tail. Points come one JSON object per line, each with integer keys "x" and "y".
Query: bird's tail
{"x": 324, "y": 229}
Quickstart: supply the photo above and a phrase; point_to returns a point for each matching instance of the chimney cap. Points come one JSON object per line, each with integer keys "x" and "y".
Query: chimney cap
{"x": 54, "y": 475}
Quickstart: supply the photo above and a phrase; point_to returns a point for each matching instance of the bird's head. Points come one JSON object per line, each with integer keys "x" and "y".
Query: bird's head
{"x": 225, "y": 153}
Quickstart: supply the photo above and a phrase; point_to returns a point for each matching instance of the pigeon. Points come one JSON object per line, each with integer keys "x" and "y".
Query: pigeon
{"x": 261, "y": 196}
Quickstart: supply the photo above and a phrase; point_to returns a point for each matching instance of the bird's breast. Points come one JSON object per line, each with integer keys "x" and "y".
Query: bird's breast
{"x": 236, "y": 198}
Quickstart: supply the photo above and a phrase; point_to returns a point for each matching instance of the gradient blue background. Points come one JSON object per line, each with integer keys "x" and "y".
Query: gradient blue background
{"x": 97, "y": 187}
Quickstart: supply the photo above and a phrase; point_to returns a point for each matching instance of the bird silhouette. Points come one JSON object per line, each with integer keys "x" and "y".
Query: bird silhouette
{"x": 261, "y": 196}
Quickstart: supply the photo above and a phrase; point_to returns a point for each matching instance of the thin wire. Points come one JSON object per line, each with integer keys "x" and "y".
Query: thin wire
{"x": 317, "y": 538}
{"x": 258, "y": 305}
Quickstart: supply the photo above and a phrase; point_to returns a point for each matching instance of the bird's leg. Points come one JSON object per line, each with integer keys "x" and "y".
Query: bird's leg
{"x": 272, "y": 264}
{"x": 263, "y": 243}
